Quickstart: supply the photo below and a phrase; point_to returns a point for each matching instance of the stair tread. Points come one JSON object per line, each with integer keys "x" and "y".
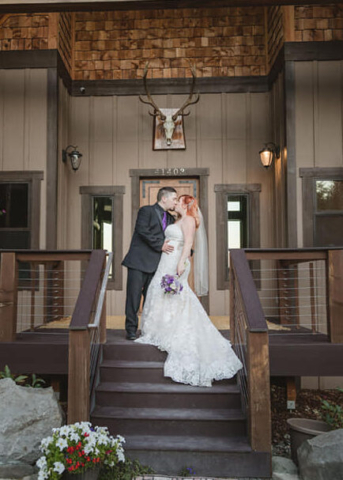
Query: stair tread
{"x": 164, "y": 388}
{"x": 131, "y": 364}
{"x": 168, "y": 413}
{"x": 187, "y": 443}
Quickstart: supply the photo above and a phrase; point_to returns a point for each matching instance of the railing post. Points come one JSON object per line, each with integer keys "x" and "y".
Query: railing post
{"x": 259, "y": 391}
{"x": 78, "y": 376}
{"x": 103, "y": 322}
{"x": 8, "y": 297}
{"x": 232, "y": 304}
{"x": 335, "y": 268}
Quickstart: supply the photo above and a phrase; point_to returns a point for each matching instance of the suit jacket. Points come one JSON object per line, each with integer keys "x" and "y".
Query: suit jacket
{"x": 147, "y": 240}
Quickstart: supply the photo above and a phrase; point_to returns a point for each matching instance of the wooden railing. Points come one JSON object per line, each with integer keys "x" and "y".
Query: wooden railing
{"x": 87, "y": 332}
{"x": 249, "y": 336}
{"x": 307, "y": 285}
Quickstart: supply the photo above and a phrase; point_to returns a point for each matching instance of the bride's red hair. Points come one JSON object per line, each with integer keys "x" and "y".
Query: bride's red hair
{"x": 192, "y": 207}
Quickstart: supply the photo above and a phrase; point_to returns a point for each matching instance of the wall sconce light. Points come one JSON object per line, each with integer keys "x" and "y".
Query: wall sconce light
{"x": 268, "y": 153}
{"x": 74, "y": 155}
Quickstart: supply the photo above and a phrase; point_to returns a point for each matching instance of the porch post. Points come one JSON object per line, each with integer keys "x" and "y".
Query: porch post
{"x": 335, "y": 267}
{"x": 78, "y": 376}
{"x": 8, "y": 297}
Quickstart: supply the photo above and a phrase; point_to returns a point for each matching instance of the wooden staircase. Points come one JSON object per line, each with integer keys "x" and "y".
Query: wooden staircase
{"x": 167, "y": 425}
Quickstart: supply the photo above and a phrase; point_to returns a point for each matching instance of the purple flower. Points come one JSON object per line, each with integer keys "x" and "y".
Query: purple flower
{"x": 171, "y": 284}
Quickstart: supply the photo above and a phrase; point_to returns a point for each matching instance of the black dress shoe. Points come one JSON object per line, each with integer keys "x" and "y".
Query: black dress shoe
{"x": 131, "y": 336}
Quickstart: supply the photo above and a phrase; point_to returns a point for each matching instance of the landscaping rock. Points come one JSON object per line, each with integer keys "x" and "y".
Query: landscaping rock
{"x": 285, "y": 476}
{"x": 26, "y": 416}
{"x": 15, "y": 470}
{"x": 284, "y": 465}
{"x": 321, "y": 458}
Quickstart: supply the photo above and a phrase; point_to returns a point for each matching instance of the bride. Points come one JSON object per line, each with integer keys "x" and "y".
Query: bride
{"x": 178, "y": 324}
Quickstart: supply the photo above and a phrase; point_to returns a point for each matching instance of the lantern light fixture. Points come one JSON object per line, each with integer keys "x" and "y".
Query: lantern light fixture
{"x": 268, "y": 153}
{"x": 74, "y": 156}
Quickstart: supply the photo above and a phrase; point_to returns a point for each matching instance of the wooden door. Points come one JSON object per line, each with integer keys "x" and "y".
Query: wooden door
{"x": 184, "y": 186}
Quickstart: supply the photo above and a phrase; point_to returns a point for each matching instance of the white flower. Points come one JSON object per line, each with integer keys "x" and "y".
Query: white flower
{"x": 121, "y": 439}
{"x": 88, "y": 449}
{"x": 61, "y": 444}
{"x": 41, "y": 463}
{"x": 59, "y": 467}
{"x": 74, "y": 436}
{"x": 64, "y": 430}
{"x": 120, "y": 455}
{"x": 43, "y": 475}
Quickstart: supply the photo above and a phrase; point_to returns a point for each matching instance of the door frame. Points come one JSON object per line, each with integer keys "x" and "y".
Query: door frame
{"x": 202, "y": 174}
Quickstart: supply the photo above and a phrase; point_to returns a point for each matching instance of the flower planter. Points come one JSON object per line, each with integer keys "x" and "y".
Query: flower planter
{"x": 92, "y": 474}
{"x": 302, "y": 429}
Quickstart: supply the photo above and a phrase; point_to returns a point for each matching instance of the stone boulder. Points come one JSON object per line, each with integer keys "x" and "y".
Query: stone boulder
{"x": 284, "y": 469}
{"x": 321, "y": 458}
{"x": 26, "y": 416}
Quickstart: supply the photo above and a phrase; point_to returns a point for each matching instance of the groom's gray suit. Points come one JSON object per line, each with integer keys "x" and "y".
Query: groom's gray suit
{"x": 142, "y": 259}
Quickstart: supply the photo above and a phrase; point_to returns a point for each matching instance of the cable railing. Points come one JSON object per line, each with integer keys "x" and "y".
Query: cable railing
{"x": 300, "y": 290}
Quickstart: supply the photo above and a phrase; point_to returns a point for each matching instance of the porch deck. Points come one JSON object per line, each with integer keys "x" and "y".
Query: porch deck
{"x": 291, "y": 353}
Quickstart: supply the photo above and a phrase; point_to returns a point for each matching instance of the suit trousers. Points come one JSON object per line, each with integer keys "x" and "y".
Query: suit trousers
{"x": 137, "y": 285}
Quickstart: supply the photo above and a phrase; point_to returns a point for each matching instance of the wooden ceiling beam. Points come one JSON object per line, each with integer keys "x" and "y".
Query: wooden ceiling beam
{"x": 29, "y": 6}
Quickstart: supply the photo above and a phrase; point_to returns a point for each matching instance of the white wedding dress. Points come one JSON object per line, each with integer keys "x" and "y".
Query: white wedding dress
{"x": 178, "y": 324}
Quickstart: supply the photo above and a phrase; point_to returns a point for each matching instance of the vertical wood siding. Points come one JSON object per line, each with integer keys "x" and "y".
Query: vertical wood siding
{"x": 319, "y": 120}
{"x": 23, "y": 126}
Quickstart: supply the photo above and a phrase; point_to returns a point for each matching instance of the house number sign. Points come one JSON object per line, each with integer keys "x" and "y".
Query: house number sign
{"x": 170, "y": 171}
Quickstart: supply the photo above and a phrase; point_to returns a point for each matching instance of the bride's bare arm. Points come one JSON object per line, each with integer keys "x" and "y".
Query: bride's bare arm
{"x": 188, "y": 230}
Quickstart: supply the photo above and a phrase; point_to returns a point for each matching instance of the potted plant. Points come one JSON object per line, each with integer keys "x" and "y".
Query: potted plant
{"x": 302, "y": 429}
{"x": 78, "y": 449}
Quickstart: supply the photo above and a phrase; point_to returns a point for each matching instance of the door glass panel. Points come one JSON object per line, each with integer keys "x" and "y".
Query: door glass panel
{"x": 237, "y": 215}
{"x": 329, "y": 195}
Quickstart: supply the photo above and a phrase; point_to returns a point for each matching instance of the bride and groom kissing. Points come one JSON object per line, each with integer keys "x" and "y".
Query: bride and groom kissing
{"x": 175, "y": 323}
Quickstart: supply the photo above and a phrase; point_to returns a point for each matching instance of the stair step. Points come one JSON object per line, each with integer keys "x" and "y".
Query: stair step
{"x": 209, "y": 457}
{"x": 167, "y": 395}
{"x": 167, "y": 421}
{"x": 113, "y": 370}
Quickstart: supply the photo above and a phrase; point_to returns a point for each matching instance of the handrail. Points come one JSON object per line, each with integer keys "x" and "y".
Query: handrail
{"x": 256, "y": 321}
{"x": 85, "y": 300}
{"x": 101, "y": 299}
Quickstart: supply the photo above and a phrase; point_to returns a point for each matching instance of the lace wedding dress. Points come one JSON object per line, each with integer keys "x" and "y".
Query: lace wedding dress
{"x": 178, "y": 324}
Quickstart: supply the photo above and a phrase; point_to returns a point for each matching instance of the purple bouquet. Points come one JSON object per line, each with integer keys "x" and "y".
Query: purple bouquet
{"x": 171, "y": 284}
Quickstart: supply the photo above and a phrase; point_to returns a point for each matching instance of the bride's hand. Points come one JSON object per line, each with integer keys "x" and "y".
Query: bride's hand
{"x": 181, "y": 267}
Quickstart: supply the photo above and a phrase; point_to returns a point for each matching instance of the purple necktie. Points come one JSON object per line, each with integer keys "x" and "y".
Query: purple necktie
{"x": 164, "y": 221}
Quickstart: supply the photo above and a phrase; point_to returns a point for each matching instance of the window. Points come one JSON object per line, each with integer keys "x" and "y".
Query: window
{"x": 19, "y": 209}
{"x": 102, "y": 225}
{"x": 238, "y": 226}
{"x": 322, "y": 206}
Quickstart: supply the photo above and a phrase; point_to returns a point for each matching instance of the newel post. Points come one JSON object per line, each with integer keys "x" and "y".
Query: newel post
{"x": 259, "y": 391}
{"x": 335, "y": 268}
{"x": 232, "y": 305}
{"x": 8, "y": 297}
{"x": 78, "y": 375}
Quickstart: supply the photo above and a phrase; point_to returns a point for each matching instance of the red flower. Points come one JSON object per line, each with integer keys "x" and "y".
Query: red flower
{"x": 86, "y": 435}
{"x": 88, "y": 459}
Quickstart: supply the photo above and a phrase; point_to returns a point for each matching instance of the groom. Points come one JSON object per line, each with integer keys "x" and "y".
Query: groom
{"x": 147, "y": 244}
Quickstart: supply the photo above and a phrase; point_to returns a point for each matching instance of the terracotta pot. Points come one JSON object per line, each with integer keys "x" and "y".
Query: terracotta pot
{"x": 302, "y": 429}
{"x": 91, "y": 474}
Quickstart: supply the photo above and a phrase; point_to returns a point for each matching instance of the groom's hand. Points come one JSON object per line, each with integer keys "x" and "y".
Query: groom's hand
{"x": 166, "y": 248}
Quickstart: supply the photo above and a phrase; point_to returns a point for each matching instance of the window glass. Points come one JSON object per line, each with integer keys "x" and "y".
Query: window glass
{"x": 14, "y": 205}
{"x": 103, "y": 224}
{"x": 237, "y": 214}
{"x": 329, "y": 195}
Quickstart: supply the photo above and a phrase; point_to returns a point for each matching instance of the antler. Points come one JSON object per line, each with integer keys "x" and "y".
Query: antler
{"x": 151, "y": 101}
{"x": 189, "y": 99}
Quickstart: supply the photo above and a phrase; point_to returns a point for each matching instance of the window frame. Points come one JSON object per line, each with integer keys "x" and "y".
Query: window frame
{"x": 222, "y": 191}
{"x": 116, "y": 193}
{"x": 309, "y": 177}
{"x": 33, "y": 179}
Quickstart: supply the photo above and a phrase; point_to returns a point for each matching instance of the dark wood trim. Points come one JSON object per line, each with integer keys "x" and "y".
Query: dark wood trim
{"x": 222, "y": 191}
{"x": 116, "y": 192}
{"x": 64, "y": 74}
{"x": 34, "y": 6}
{"x": 307, "y": 51}
{"x": 163, "y": 86}
{"x": 28, "y": 59}
{"x": 33, "y": 178}
{"x": 52, "y": 160}
{"x": 291, "y": 186}
{"x": 326, "y": 172}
